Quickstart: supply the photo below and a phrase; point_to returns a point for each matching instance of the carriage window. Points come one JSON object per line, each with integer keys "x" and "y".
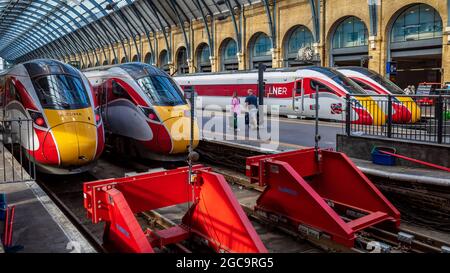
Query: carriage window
{"x": 61, "y": 92}
{"x": 161, "y": 91}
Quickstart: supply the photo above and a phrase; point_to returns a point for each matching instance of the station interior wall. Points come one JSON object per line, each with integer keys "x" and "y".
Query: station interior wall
{"x": 253, "y": 20}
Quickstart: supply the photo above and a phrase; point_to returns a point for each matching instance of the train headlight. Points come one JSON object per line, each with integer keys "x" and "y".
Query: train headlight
{"x": 98, "y": 116}
{"x": 38, "y": 118}
{"x": 149, "y": 113}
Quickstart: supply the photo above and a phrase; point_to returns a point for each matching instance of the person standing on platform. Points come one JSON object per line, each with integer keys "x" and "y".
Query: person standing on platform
{"x": 407, "y": 90}
{"x": 235, "y": 110}
{"x": 251, "y": 101}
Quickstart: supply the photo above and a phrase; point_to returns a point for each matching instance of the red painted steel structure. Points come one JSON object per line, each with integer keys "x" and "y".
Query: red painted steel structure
{"x": 312, "y": 194}
{"x": 442, "y": 168}
{"x": 8, "y": 228}
{"x": 215, "y": 216}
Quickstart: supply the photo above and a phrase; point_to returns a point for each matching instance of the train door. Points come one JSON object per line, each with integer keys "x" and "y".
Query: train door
{"x": 124, "y": 116}
{"x": 101, "y": 91}
{"x": 298, "y": 102}
{"x": 8, "y": 98}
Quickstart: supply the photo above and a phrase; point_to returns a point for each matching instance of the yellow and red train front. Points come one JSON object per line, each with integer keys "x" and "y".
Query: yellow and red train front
{"x": 174, "y": 132}
{"x": 73, "y": 139}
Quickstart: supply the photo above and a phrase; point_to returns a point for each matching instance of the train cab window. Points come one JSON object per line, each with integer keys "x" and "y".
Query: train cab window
{"x": 322, "y": 87}
{"x": 161, "y": 91}
{"x": 364, "y": 85}
{"x": 61, "y": 92}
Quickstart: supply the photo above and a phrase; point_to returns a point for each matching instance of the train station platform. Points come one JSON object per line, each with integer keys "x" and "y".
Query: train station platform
{"x": 404, "y": 173}
{"x": 39, "y": 225}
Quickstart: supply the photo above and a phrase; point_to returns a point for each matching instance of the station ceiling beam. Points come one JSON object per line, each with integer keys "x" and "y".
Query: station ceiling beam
{"x": 86, "y": 28}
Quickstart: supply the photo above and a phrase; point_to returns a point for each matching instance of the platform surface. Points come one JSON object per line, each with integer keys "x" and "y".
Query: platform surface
{"x": 420, "y": 173}
{"x": 39, "y": 225}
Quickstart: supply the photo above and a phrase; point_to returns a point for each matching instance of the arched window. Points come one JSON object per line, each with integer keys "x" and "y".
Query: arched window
{"x": 260, "y": 51}
{"x": 114, "y": 61}
{"x": 203, "y": 61}
{"x": 124, "y": 60}
{"x": 299, "y": 37}
{"x": 349, "y": 43}
{"x": 229, "y": 60}
{"x": 105, "y": 62}
{"x": 418, "y": 22}
{"x": 351, "y": 32}
{"x": 135, "y": 58}
{"x": 416, "y": 45}
{"x": 182, "y": 65}
{"x": 148, "y": 58}
{"x": 164, "y": 60}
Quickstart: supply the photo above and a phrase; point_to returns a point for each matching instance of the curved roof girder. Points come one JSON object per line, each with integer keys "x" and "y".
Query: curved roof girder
{"x": 63, "y": 29}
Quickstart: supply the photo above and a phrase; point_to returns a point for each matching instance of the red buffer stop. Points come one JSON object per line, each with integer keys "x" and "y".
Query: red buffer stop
{"x": 312, "y": 195}
{"x": 214, "y": 216}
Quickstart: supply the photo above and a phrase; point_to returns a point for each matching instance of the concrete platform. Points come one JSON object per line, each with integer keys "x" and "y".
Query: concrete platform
{"x": 404, "y": 173}
{"x": 39, "y": 225}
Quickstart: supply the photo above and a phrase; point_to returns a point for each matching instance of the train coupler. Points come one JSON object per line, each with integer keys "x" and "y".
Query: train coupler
{"x": 330, "y": 195}
{"x": 214, "y": 214}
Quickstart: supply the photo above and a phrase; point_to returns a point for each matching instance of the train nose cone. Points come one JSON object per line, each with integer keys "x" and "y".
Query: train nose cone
{"x": 75, "y": 142}
{"x": 179, "y": 134}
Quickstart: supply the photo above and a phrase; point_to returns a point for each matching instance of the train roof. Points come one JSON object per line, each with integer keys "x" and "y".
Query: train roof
{"x": 39, "y": 67}
{"x": 135, "y": 69}
{"x": 321, "y": 69}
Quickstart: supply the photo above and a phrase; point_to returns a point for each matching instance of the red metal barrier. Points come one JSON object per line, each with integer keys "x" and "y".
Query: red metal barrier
{"x": 215, "y": 216}
{"x": 442, "y": 168}
{"x": 8, "y": 227}
{"x": 312, "y": 195}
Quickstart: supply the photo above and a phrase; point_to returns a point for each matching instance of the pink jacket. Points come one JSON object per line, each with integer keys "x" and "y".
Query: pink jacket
{"x": 236, "y": 106}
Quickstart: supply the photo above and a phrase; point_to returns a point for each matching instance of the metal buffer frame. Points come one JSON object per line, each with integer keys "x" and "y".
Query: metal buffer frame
{"x": 312, "y": 195}
{"x": 215, "y": 216}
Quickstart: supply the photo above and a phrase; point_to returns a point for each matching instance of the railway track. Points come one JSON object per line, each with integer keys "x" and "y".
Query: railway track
{"x": 405, "y": 240}
{"x": 67, "y": 194}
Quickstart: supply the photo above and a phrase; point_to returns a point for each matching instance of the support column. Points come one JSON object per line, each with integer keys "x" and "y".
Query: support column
{"x": 318, "y": 53}
{"x": 241, "y": 61}
{"x": 446, "y": 55}
{"x": 214, "y": 64}
{"x": 277, "y": 59}
{"x": 191, "y": 66}
{"x": 172, "y": 68}
{"x": 375, "y": 54}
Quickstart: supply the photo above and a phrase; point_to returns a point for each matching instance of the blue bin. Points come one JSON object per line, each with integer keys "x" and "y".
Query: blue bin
{"x": 3, "y": 206}
{"x": 383, "y": 159}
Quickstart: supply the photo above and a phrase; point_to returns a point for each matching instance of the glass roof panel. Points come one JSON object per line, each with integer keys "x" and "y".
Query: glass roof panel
{"x": 23, "y": 21}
